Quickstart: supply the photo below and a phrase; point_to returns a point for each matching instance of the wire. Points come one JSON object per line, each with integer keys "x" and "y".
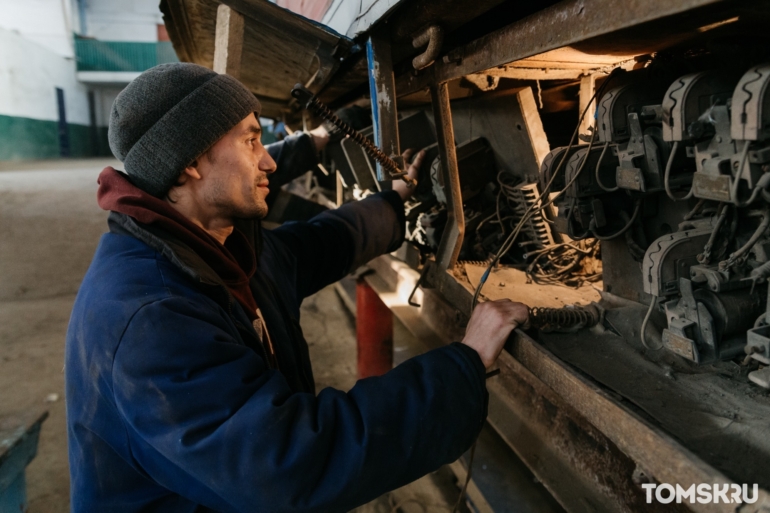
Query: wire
{"x": 544, "y": 193}
{"x": 467, "y": 477}
{"x": 598, "y": 165}
{"x": 695, "y": 209}
{"x": 623, "y": 230}
{"x": 739, "y": 176}
{"x": 565, "y": 264}
{"x": 705, "y": 257}
{"x": 726, "y": 264}
{"x": 667, "y": 175}
{"x": 643, "y": 334}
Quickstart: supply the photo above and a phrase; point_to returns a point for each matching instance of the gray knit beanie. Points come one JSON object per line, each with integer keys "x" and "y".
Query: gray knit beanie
{"x": 169, "y": 116}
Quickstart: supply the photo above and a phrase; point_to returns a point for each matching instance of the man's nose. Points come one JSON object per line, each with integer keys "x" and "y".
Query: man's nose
{"x": 267, "y": 164}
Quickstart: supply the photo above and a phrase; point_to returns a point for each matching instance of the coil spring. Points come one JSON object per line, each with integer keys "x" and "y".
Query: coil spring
{"x": 309, "y": 101}
{"x": 561, "y": 318}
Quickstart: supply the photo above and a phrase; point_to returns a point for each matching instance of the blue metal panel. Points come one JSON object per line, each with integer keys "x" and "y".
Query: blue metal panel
{"x": 373, "y": 94}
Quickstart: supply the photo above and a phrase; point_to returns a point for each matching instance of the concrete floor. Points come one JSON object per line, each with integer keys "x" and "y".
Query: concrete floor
{"x": 49, "y": 227}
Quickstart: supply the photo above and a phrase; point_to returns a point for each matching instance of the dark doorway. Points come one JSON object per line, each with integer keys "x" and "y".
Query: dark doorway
{"x": 64, "y": 133}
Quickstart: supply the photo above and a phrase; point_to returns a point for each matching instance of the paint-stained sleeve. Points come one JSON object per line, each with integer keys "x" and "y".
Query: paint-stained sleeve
{"x": 335, "y": 243}
{"x": 207, "y": 420}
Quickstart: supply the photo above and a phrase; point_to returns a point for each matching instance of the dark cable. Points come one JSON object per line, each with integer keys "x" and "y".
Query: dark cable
{"x": 598, "y": 165}
{"x": 623, "y": 230}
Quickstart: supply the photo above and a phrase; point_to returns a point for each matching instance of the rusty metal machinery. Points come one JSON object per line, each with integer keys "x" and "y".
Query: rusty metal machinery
{"x": 704, "y": 139}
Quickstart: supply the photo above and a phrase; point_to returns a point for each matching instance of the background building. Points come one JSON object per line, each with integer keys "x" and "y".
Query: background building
{"x": 62, "y": 62}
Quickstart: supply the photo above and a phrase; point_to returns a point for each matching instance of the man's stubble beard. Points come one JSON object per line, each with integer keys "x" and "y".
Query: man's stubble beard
{"x": 225, "y": 204}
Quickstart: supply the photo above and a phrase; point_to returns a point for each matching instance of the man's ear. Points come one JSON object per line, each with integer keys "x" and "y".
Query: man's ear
{"x": 191, "y": 171}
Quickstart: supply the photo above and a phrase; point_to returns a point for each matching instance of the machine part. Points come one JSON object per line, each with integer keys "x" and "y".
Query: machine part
{"x": 360, "y": 164}
{"x": 641, "y": 157}
{"x": 669, "y": 258}
{"x": 432, "y": 36}
{"x": 567, "y": 263}
{"x": 721, "y": 173}
{"x": 629, "y": 223}
{"x": 761, "y": 377}
{"x": 553, "y": 161}
{"x": 616, "y": 106}
{"x": 688, "y": 97}
{"x": 415, "y": 131}
{"x": 510, "y": 239}
{"x": 587, "y": 184}
{"x": 750, "y": 117}
{"x": 536, "y": 226}
{"x": 758, "y": 338}
{"x": 566, "y": 318}
{"x": 743, "y": 250}
{"x": 704, "y": 326}
{"x": 309, "y": 101}
{"x": 476, "y": 167}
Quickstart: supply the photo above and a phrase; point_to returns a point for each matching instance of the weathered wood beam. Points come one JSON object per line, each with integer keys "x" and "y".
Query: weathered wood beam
{"x": 228, "y": 41}
{"x": 587, "y": 88}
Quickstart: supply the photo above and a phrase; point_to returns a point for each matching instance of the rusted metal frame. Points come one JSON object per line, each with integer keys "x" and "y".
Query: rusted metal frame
{"x": 452, "y": 238}
{"x": 565, "y": 23}
{"x": 564, "y": 451}
{"x": 228, "y": 41}
{"x": 382, "y": 88}
{"x": 655, "y": 452}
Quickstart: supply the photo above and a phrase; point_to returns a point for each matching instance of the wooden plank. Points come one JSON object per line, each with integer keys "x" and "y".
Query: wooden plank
{"x": 228, "y": 41}
{"x": 587, "y": 88}
{"x": 533, "y": 125}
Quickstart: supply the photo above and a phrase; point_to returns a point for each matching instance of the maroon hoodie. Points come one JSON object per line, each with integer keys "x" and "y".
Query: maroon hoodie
{"x": 234, "y": 262}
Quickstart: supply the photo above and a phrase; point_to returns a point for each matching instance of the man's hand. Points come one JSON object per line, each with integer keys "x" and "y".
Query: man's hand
{"x": 399, "y": 185}
{"x": 320, "y": 137}
{"x": 490, "y": 325}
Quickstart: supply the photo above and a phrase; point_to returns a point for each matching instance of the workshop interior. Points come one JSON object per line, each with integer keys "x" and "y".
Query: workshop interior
{"x": 606, "y": 163}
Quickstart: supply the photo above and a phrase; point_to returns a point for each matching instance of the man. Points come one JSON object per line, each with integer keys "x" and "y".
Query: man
{"x": 189, "y": 386}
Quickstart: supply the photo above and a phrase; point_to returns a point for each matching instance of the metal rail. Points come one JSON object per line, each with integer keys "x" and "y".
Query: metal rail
{"x": 563, "y": 24}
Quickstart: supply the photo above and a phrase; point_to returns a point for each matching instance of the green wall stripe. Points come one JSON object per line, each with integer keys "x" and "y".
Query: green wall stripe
{"x": 29, "y": 139}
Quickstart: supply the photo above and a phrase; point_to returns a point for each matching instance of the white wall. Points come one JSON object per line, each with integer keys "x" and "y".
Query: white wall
{"x": 104, "y": 98}
{"x": 47, "y": 22}
{"x": 29, "y": 74}
{"x": 123, "y": 20}
{"x": 351, "y": 18}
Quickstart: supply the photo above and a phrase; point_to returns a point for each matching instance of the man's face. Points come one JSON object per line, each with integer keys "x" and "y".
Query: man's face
{"x": 234, "y": 173}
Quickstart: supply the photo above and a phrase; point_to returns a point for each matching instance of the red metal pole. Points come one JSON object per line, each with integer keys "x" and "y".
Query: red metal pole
{"x": 374, "y": 332}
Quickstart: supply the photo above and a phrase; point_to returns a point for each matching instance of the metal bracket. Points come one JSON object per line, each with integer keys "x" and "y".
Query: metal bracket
{"x": 432, "y": 36}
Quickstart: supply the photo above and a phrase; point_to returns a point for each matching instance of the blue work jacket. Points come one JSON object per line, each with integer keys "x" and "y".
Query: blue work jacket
{"x": 171, "y": 406}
